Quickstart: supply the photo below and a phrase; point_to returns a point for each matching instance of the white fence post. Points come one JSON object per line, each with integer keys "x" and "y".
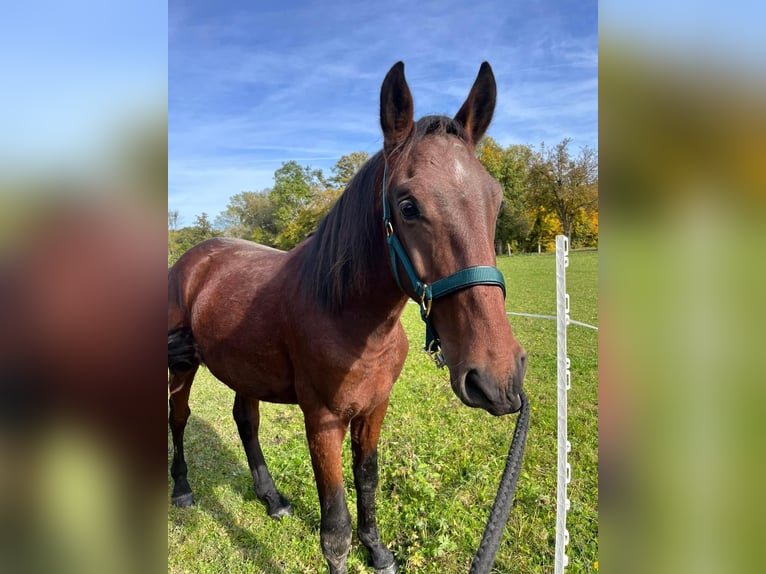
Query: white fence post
{"x": 564, "y": 474}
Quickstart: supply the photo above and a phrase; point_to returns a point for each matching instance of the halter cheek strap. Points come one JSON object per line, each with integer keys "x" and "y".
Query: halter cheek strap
{"x": 425, "y": 293}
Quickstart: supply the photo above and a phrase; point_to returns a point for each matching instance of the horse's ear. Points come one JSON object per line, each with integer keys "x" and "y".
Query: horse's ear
{"x": 476, "y": 113}
{"x": 396, "y": 108}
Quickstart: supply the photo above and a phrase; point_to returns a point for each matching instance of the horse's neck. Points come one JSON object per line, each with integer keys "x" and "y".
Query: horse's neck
{"x": 371, "y": 310}
{"x": 381, "y": 303}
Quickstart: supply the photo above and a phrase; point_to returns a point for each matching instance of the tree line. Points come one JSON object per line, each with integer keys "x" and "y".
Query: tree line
{"x": 546, "y": 191}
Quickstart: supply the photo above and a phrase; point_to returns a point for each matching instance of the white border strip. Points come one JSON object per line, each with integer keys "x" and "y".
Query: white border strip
{"x": 564, "y": 474}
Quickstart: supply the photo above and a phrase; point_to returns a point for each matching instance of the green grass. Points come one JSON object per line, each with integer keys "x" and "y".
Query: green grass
{"x": 440, "y": 462}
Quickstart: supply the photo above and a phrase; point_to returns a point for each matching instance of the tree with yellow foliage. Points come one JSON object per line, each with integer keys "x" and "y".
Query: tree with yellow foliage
{"x": 564, "y": 185}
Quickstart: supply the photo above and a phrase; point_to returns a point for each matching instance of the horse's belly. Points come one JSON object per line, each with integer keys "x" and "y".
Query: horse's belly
{"x": 260, "y": 377}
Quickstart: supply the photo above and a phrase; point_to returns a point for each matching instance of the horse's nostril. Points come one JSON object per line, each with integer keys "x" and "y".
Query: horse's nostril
{"x": 473, "y": 389}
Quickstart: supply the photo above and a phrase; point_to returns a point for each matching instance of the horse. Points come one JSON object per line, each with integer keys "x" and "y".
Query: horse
{"x": 319, "y": 325}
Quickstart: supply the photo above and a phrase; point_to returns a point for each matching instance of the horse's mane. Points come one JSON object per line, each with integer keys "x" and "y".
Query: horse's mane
{"x": 342, "y": 253}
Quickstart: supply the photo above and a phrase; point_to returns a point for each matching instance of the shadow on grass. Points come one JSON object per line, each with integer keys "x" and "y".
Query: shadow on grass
{"x": 213, "y": 464}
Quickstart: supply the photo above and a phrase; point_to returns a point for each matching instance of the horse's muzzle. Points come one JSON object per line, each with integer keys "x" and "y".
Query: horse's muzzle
{"x": 476, "y": 388}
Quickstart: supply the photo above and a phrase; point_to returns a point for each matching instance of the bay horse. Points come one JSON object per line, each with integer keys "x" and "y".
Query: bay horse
{"x": 319, "y": 325}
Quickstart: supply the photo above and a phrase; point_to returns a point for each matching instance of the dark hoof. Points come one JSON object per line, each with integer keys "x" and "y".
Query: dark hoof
{"x": 281, "y": 512}
{"x": 183, "y": 500}
{"x": 379, "y": 555}
{"x": 390, "y": 569}
{"x": 278, "y": 506}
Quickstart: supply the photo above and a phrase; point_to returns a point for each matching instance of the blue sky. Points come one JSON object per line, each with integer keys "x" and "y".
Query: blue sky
{"x": 251, "y": 86}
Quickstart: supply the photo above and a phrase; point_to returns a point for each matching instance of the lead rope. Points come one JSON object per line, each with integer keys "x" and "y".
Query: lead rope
{"x": 490, "y": 542}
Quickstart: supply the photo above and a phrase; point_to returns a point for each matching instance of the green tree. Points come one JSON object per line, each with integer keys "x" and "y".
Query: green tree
{"x": 308, "y": 219}
{"x": 249, "y": 215}
{"x": 181, "y": 240}
{"x": 294, "y": 188}
{"x": 317, "y": 195}
{"x": 203, "y": 227}
{"x": 347, "y": 167}
{"x": 510, "y": 167}
{"x": 563, "y": 184}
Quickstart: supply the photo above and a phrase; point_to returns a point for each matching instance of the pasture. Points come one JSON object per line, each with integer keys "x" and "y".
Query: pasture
{"x": 440, "y": 462}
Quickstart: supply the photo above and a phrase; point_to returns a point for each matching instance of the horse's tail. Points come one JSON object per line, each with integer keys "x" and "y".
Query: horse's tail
{"x": 182, "y": 350}
{"x": 183, "y": 353}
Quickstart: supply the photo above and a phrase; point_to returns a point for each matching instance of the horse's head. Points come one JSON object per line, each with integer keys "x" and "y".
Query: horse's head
{"x": 444, "y": 207}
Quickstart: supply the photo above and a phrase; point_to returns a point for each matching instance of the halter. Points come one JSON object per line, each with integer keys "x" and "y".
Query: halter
{"x": 425, "y": 293}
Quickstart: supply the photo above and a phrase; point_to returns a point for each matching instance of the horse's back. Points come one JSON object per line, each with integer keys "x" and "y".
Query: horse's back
{"x": 208, "y": 263}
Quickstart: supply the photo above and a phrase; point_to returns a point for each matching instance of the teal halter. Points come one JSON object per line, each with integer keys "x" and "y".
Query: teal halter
{"x": 425, "y": 293}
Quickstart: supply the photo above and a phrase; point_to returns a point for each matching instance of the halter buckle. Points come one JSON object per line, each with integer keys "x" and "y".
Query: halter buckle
{"x": 389, "y": 229}
{"x": 434, "y": 351}
{"x": 425, "y": 303}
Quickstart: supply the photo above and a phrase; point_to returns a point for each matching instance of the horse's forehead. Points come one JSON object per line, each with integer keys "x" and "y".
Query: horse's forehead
{"x": 444, "y": 158}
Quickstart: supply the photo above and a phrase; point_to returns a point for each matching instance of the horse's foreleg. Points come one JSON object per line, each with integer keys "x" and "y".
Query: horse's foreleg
{"x": 365, "y": 432}
{"x": 247, "y": 416}
{"x": 180, "y": 386}
{"x": 325, "y": 432}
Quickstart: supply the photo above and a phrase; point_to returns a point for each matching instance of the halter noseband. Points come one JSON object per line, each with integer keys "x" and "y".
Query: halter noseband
{"x": 425, "y": 293}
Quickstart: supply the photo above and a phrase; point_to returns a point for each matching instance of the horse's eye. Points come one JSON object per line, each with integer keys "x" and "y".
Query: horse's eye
{"x": 408, "y": 209}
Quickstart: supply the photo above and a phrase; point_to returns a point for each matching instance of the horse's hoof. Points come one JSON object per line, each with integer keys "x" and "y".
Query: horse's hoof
{"x": 281, "y": 512}
{"x": 183, "y": 500}
{"x": 390, "y": 569}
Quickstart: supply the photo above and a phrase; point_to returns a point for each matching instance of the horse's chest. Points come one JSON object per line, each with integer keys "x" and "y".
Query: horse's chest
{"x": 350, "y": 385}
{"x": 360, "y": 390}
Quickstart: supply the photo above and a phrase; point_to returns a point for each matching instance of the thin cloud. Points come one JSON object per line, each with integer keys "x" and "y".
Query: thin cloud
{"x": 251, "y": 88}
